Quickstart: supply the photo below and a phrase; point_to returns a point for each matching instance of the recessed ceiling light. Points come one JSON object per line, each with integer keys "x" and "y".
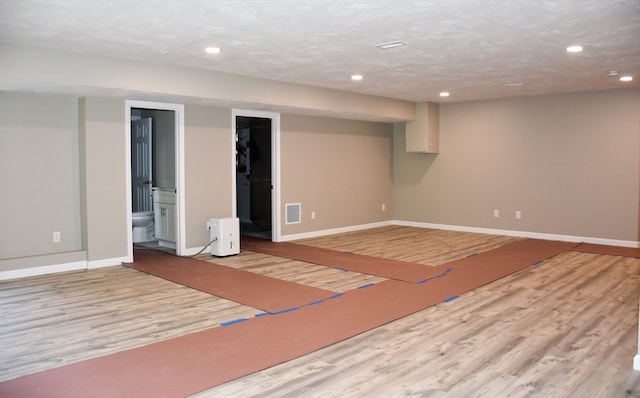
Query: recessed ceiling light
{"x": 613, "y": 73}
{"x": 626, "y": 78}
{"x": 356, "y": 77}
{"x": 574, "y": 49}
{"x": 391, "y": 44}
{"x": 516, "y": 84}
{"x": 212, "y": 50}
{"x": 444, "y": 94}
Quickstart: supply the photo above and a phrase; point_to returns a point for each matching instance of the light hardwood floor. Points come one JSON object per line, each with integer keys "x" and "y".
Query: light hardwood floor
{"x": 565, "y": 328}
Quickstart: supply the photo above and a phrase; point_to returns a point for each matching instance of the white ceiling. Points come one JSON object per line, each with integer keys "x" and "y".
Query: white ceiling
{"x": 471, "y": 48}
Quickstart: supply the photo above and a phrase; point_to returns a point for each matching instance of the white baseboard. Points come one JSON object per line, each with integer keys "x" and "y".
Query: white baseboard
{"x": 521, "y": 234}
{"x": 108, "y": 262}
{"x": 333, "y": 231}
{"x": 42, "y": 270}
{"x": 79, "y": 265}
{"x": 636, "y": 362}
{"x": 64, "y": 267}
{"x": 306, "y": 235}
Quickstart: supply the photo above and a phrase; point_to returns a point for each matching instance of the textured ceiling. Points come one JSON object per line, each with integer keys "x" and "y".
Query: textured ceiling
{"x": 471, "y": 48}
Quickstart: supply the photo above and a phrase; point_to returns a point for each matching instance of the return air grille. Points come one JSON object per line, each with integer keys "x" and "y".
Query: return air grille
{"x": 293, "y": 213}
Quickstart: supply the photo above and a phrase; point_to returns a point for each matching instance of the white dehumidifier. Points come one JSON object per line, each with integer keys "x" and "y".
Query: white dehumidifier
{"x": 225, "y": 234}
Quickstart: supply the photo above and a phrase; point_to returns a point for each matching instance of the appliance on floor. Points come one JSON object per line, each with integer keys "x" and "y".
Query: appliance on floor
{"x": 226, "y": 232}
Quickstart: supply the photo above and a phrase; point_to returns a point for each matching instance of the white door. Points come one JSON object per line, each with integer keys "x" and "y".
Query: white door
{"x": 141, "y": 166}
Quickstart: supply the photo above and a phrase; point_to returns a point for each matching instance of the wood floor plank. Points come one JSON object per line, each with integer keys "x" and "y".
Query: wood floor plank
{"x": 418, "y": 245}
{"x": 79, "y": 315}
{"x": 296, "y": 271}
{"x": 529, "y": 331}
{"x": 563, "y": 328}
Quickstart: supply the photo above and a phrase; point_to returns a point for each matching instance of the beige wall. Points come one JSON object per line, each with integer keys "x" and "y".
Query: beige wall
{"x": 64, "y": 168}
{"x": 208, "y": 169}
{"x": 103, "y": 178}
{"x": 341, "y": 169}
{"x": 39, "y": 185}
{"x": 570, "y": 163}
{"x": 24, "y": 67}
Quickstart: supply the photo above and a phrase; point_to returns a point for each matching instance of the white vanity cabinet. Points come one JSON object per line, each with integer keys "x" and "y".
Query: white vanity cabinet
{"x": 164, "y": 207}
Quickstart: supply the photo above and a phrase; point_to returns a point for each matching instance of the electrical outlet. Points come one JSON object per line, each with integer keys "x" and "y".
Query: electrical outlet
{"x": 313, "y": 215}
{"x": 56, "y": 237}
{"x": 496, "y": 213}
{"x": 518, "y": 214}
{"x": 383, "y": 207}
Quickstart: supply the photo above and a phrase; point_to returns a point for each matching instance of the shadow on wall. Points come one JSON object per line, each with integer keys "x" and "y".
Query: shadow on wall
{"x": 414, "y": 166}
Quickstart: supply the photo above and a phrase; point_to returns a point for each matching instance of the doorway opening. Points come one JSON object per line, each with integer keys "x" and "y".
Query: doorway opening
{"x": 155, "y": 171}
{"x": 153, "y": 178}
{"x": 254, "y": 181}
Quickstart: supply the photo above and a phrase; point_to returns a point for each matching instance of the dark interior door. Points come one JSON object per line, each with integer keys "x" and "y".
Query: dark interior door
{"x": 254, "y": 168}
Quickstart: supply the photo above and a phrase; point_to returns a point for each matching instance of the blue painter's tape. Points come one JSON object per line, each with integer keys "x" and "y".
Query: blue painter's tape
{"x": 261, "y": 314}
{"x": 365, "y": 285}
{"x": 341, "y": 269}
{"x": 450, "y": 299}
{"x": 125, "y": 266}
{"x": 538, "y": 262}
{"x": 472, "y": 254}
{"x": 434, "y": 277}
{"x": 285, "y": 310}
{"x": 233, "y": 322}
{"x": 316, "y": 302}
{"x": 336, "y": 295}
{"x": 348, "y": 252}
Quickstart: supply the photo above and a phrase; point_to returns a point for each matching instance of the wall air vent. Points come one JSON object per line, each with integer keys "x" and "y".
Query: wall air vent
{"x": 293, "y": 213}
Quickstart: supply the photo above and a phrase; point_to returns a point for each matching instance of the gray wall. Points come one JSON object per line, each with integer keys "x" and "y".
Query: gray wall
{"x": 570, "y": 163}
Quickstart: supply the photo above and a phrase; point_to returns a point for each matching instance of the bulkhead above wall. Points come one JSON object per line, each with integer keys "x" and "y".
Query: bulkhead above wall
{"x": 96, "y": 75}
{"x": 422, "y": 134}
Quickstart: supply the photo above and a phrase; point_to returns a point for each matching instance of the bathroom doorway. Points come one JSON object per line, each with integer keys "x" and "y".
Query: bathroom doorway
{"x": 155, "y": 167}
{"x": 256, "y": 137}
{"x": 153, "y": 182}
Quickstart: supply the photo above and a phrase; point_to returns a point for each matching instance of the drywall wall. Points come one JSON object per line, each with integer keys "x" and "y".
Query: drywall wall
{"x": 339, "y": 169}
{"x": 209, "y": 164}
{"x": 103, "y": 179}
{"x": 39, "y": 182}
{"x": 570, "y": 163}
{"x": 24, "y": 68}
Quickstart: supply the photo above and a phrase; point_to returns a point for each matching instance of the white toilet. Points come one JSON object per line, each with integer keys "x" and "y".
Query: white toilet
{"x": 143, "y": 228}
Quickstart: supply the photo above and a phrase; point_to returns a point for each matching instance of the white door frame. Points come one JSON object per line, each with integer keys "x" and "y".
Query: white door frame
{"x": 275, "y": 165}
{"x": 179, "y": 155}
